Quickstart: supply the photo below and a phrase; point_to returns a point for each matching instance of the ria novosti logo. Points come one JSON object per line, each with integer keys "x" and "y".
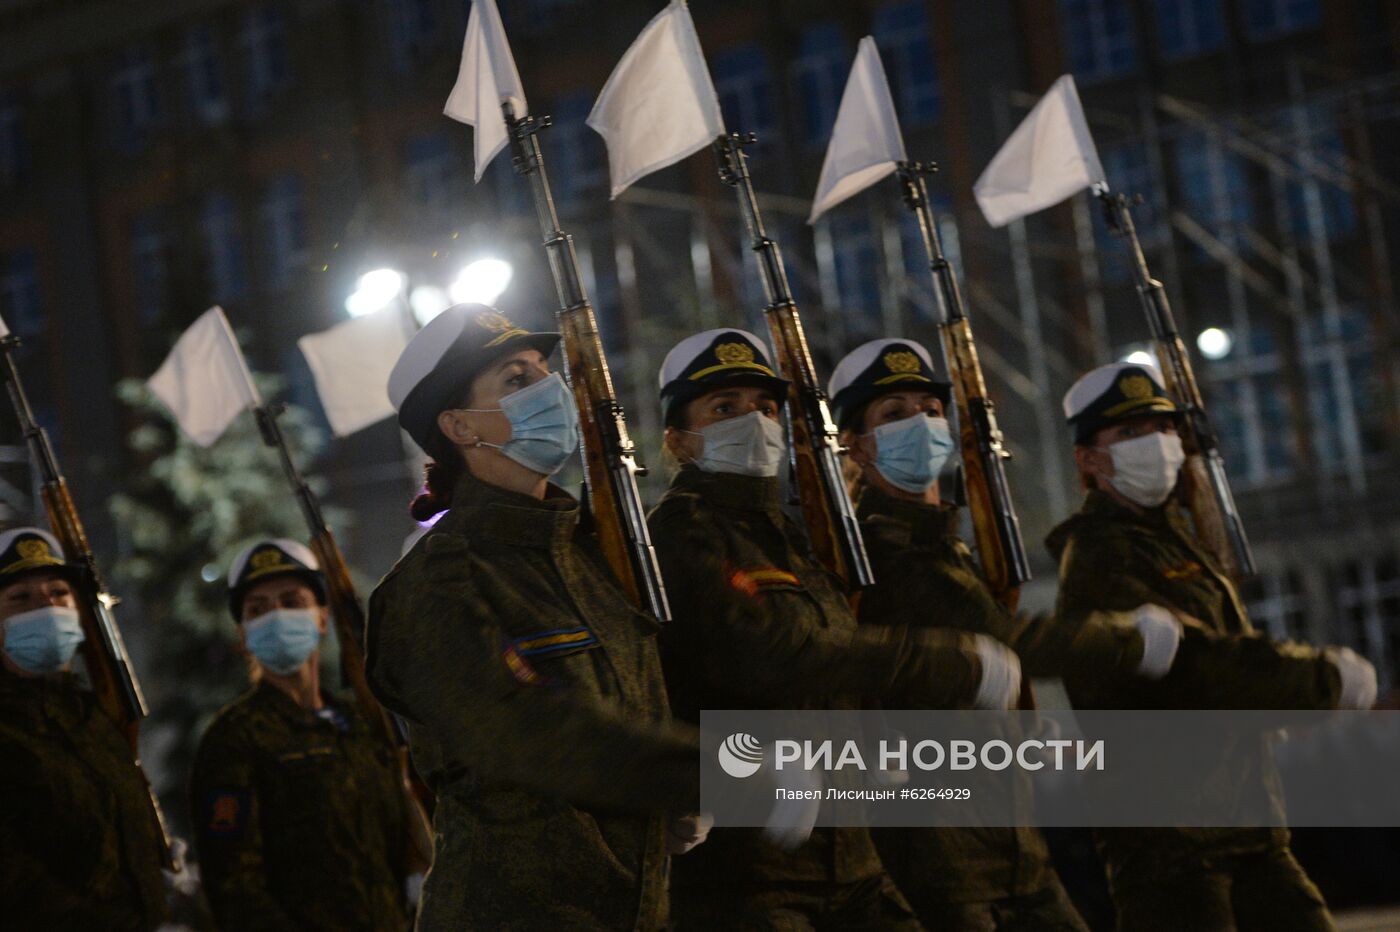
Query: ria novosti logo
{"x": 740, "y": 755}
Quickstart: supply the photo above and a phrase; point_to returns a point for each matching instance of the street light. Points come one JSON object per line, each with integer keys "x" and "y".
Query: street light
{"x": 1215, "y": 343}
{"x": 428, "y": 301}
{"x": 375, "y": 290}
{"x": 481, "y": 282}
{"x": 1140, "y": 358}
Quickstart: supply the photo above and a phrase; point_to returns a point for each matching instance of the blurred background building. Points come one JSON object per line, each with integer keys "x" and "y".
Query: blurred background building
{"x": 157, "y": 158}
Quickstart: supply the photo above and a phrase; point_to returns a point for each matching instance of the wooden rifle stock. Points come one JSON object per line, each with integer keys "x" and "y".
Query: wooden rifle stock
{"x": 610, "y": 462}
{"x": 832, "y": 528}
{"x": 1205, "y": 488}
{"x": 104, "y": 654}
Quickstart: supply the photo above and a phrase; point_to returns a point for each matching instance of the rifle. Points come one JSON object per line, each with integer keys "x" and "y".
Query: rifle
{"x": 610, "y": 459}
{"x": 349, "y": 619}
{"x": 815, "y": 450}
{"x": 1000, "y": 548}
{"x": 104, "y": 653}
{"x": 1206, "y": 488}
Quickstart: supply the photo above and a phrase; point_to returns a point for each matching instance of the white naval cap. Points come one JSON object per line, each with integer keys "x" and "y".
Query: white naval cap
{"x": 1113, "y": 392}
{"x": 271, "y": 557}
{"x": 443, "y": 356}
{"x": 877, "y": 368}
{"x": 699, "y": 363}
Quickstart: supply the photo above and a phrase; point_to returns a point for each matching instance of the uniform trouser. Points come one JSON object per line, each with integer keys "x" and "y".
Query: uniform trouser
{"x": 1260, "y": 891}
{"x": 864, "y": 906}
{"x": 1046, "y": 910}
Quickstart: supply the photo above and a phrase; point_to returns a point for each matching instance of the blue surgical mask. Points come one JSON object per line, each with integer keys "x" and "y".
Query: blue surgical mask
{"x": 750, "y": 445}
{"x": 910, "y": 453}
{"x": 543, "y": 425}
{"x": 283, "y": 638}
{"x": 43, "y": 640}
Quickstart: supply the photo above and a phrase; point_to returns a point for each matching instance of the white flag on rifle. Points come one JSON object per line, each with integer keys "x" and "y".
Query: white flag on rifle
{"x": 4, "y": 330}
{"x": 1050, "y": 156}
{"x": 866, "y": 144}
{"x": 351, "y": 363}
{"x": 486, "y": 78}
{"x": 205, "y": 381}
{"x": 659, "y": 104}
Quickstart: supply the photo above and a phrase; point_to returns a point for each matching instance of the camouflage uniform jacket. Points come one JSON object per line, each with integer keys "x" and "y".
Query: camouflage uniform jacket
{"x": 79, "y": 848}
{"x": 299, "y": 819}
{"x": 1114, "y": 558}
{"x": 537, "y": 714}
{"x": 758, "y": 625}
{"x": 924, "y": 576}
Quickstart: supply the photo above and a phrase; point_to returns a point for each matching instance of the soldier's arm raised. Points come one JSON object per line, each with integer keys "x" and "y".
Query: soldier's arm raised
{"x": 438, "y": 656}
{"x": 729, "y": 634}
{"x": 228, "y": 837}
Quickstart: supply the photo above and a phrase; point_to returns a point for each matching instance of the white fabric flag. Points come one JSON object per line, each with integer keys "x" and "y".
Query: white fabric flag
{"x": 659, "y": 104}
{"x": 1050, "y": 156}
{"x": 865, "y": 140}
{"x": 486, "y": 78}
{"x": 351, "y": 363}
{"x": 205, "y": 381}
{"x": 4, "y": 330}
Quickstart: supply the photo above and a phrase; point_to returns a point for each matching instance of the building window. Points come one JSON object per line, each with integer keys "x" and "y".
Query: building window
{"x": 150, "y": 266}
{"x": 202, "y": 68}
{"x": 820, "y": 74}
{"x": 1214, "y": 186}
{"x": 283, "y": 218}
{"x": 1249, "y": 406}
{"x": 1368, "y": 611}
{"x": 531, "y": 17}
{"x": 1278, "y": 606}
{"x": 134, "y": 98}
{"x": 262, "y": 44}
{"x": 14, "y": 146}
{"x": 1343, "y": 388}
{"x": 1187, "y": 28}
{"x": 1268, "y": 19}
{"x": 413, "y": 31}
{"x": 223, "y": 246}
{"x": 857, "y": 256}
{"x": 901, "y": 31}
{"x": 19, "y": 293}
{"x": 1101, "y": 38}
{"x": 744, "y": 83}
{"x": 1314, "y": 132}
{"x": 576, "y": 151}
{"x": 433, "y": 178}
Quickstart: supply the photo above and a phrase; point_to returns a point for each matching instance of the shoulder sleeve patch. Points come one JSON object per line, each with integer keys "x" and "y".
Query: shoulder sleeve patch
{"x": 553, "y": 642}
{"x": 753, "y": 580}
{"x": 227, "y": 812}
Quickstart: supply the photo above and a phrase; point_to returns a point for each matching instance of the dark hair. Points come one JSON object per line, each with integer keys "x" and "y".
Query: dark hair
{"x": 441, "y": 475}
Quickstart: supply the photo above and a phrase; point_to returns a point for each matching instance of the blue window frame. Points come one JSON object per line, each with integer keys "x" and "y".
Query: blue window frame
{"x": 1268, "y": 19}
{"x": 1101, "y": 38}
{"x": 1127, "y": 168}
{"x": 135, "y": 102}
{"x": 576, "y": 151}
{"x": 413, "y": 31}
{"x": 857, "y": 255}
{"x": 150, "y": 265}
{"x": 14, "y": 143}
{"x": 20, "y": 303}
{"x": 223, "y": 246}
{"x": 1187, "y": 28}
{"x": 901, "y": 31}
{"x": 820, "y": 76}
{"x": 201, "y": 67}
{"x": 744, "y": 83}
{"x": 1214, "y": 184}
{"x": 1325, "y": 142}
{"x": 262, "y": 45}
{"x": 283, "y": 211}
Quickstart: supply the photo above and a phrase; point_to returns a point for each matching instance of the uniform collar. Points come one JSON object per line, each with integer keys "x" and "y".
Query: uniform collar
{"x": 730, "y": 490}
{"x": 1100, "y": 504}
{"x": 487, "y": 511}
{"x": 927, "y": 523}
{"x": 276, "y": 699}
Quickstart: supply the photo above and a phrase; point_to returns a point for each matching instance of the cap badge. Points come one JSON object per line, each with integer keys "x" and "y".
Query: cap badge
{"x": 33, "y": 549}
{"x": 265, "y": 559}
{"x": 901, "y": 361}
{"x": 1136, "y": 387}
{"x": 733, "y": 354}
{"x": 496, "y": 323}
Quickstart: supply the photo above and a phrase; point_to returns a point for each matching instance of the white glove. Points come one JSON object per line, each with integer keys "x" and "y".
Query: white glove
{"x": 687, "y": 831}
{"x": 1161, "y": 635}
{"x": 182, "y": 879}
{"x": 790, "y": 821}
{"x": 413, "y": 888}
{"x": 1358, "y": 678}
{"x": 1001, "y": 675}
